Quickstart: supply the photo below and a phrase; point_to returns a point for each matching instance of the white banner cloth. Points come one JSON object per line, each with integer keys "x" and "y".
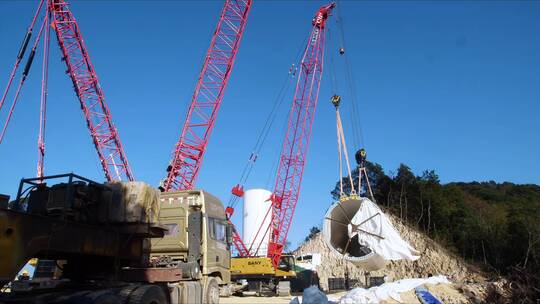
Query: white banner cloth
{"x": 389, "y": 245}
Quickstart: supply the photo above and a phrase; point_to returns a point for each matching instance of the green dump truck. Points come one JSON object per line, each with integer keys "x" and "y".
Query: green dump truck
{"x": 112, "y": 243}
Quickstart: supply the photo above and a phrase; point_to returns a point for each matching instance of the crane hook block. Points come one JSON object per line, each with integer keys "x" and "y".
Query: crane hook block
{"x": 336, "y": 100}
{"x": 360, "y": 156}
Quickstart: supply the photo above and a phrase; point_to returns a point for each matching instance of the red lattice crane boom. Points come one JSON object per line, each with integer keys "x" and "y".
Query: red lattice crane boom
{"x": 189, "y": 151}
{"x": 85, "y": 83}
{"x": 295, "y": 146}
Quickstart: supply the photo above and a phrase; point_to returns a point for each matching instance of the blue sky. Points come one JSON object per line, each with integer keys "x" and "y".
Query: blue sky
{"x": 447, "y": 85}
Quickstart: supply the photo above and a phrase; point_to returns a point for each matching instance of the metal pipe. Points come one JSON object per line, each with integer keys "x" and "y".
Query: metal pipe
{"x": 336, "y": 230}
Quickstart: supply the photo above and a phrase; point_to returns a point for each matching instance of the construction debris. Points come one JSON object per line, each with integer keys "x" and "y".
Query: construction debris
{"x": 388, "y": 291}
{"x": 311, "y": 295}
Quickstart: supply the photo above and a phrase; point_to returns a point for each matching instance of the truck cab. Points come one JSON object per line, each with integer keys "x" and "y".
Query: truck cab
{"x": 198, "y": 237}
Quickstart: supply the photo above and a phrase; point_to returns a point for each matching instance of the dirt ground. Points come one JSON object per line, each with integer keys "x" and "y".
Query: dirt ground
{"x": 255, "y": 300}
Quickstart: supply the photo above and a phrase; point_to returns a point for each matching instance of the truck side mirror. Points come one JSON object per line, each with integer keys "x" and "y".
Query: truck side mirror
{"x": 229, "y": 232}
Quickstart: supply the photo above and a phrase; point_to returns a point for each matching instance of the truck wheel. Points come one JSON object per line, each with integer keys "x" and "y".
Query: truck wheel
{"x": 104, "y": 296}
{"x": 107, "y": 299}
{"x": 148, "y": 294}
{"x": 125, "y": 293}
{"x": 211, "y": 294}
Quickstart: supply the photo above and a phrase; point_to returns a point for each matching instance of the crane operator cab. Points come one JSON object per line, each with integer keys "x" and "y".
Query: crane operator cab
{"x": 286, "y": 266}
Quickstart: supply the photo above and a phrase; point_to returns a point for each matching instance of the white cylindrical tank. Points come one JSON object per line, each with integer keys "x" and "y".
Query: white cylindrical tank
{"x": 256, "y": 205}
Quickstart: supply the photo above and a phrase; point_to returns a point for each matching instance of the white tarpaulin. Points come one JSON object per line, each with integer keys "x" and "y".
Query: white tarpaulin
{"x": 388, "y": 290}
{"x": 375, "y": 231}
{"x": 309, "y": 261}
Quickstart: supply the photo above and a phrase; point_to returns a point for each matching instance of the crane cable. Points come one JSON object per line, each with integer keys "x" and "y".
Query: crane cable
{"x": 334, "y": 84}
{"x": 20, "y": 55}
{"x": 273, "y": 170}
{"x": 342, "y": 150}
{"x": 270, "y": 119}
{"x": 261, "y": 139}
{"x": 336, "y": 101}
{"x": 22, "y": 81}
{"x": 355, "y": 116}
{"x": 358, "y": 136}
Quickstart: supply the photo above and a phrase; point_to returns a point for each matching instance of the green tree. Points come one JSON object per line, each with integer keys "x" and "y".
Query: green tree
{"x": 312, "y": 233}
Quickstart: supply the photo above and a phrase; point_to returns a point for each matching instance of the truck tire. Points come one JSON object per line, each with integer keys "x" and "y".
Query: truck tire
{"x": 148, "y": 294}
{"x": 125, "y": 293}
{"x": 211, "y": 292}
{"x": 107, "y": 299}
{"x": 103, "y": 296}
